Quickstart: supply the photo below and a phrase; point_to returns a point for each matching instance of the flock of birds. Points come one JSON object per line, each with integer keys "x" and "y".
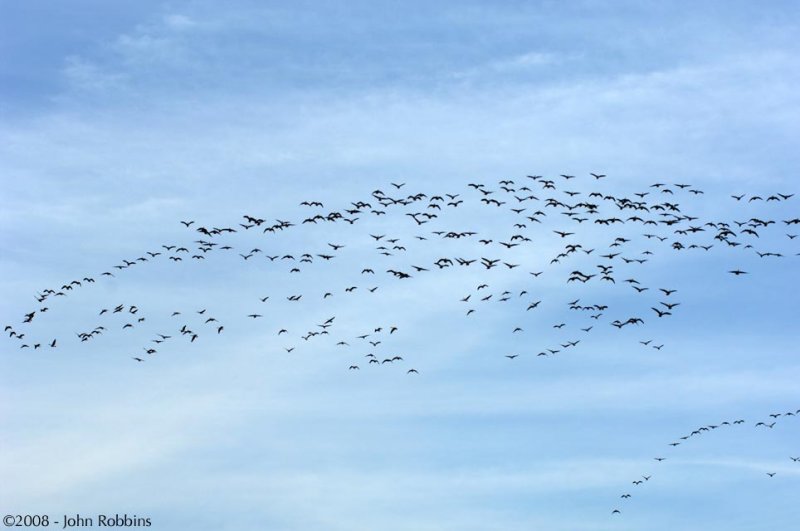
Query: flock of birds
{"x": 594, "y": 241}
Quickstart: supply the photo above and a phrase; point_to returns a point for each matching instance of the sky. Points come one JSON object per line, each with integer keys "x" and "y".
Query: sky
{"x": 119, "y": 121}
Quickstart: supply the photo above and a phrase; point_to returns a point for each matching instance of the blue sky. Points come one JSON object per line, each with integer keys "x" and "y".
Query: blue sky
{"x": 118, "y": 121}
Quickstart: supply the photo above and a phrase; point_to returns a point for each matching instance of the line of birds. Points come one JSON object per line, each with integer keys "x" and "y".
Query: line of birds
{"x": 709, "y": 428}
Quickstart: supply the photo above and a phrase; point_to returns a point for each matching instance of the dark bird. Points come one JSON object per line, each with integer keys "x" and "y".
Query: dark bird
{"x": 660, "y": 313}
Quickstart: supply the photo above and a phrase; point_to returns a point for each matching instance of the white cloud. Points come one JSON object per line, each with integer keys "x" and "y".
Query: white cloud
{"x": 179, "y": 22}
{"x": 527, "y": 63}
{"x": 84, "y": 75}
